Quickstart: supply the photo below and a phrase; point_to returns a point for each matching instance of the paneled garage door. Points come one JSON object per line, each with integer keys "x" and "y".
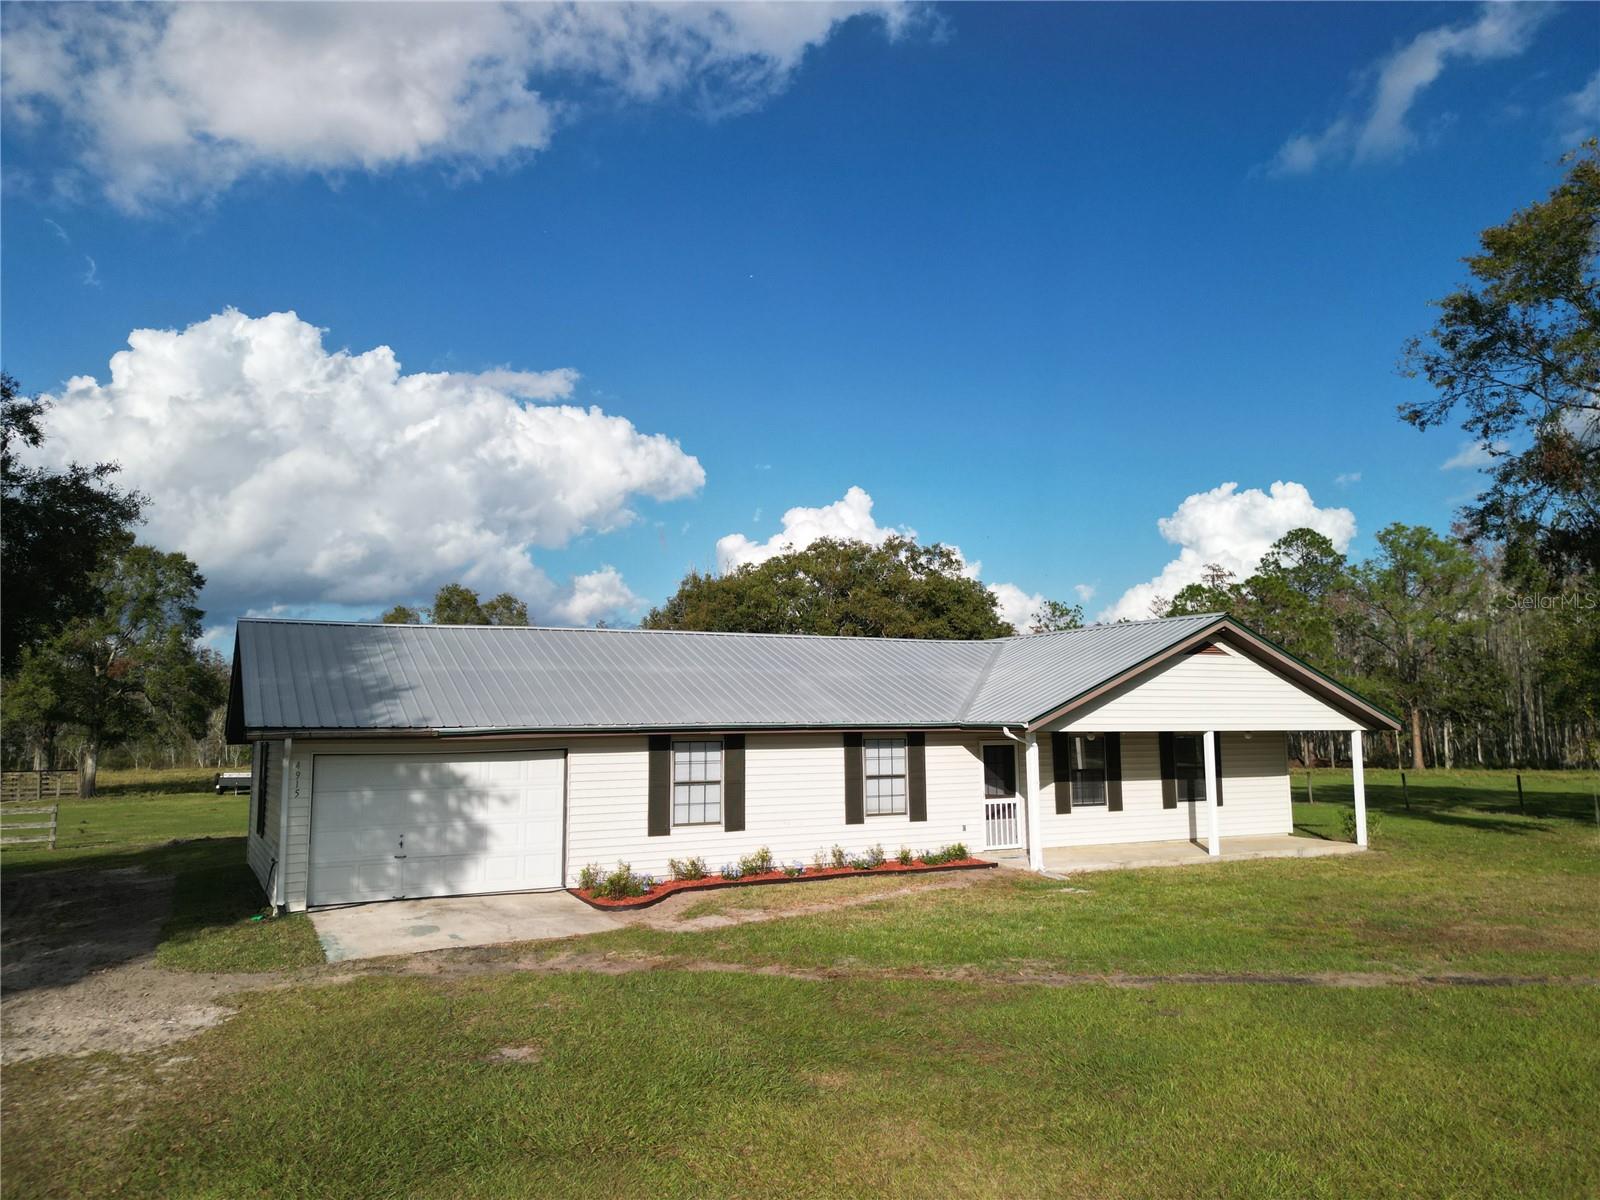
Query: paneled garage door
{"x": 393, "y": 826}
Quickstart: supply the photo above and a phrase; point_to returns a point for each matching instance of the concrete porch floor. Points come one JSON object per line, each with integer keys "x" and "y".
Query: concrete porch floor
{"x": 1065, "y": 860}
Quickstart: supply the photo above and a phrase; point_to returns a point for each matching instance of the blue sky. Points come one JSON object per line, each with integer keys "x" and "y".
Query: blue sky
{"x": 1033, "y": 278}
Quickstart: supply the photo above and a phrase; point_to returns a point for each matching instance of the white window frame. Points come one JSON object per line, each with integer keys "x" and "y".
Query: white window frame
{"x": 718, "y": 760}
{"x": 1075, "y": 783}
{"x": 903, "y": 795}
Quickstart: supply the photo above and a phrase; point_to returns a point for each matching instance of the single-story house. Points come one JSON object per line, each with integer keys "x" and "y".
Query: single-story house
{"x": 426, "y": 760}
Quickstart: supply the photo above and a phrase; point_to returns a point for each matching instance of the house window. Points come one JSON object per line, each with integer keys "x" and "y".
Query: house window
{"x": 999, "y": 770}
{"x": 885, "y": 775}
{"x": 1189, "y": 766}
{"x": 1088, "y": 771}
{"x": 697, "y": 783}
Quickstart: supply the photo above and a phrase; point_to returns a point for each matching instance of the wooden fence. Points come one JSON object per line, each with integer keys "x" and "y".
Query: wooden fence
{"x": 38, "y": 785}
{"x": 38, "y": 820}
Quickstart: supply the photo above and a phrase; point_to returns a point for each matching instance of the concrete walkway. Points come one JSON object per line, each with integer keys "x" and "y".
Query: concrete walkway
{"x": 1066, "y": 860}
{"x": 411, "y": 926}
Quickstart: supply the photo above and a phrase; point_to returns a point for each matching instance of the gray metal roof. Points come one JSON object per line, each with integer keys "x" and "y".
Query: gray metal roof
{"x": 337, "y": 676}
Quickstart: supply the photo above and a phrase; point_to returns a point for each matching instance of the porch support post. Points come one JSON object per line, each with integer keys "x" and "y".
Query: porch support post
{"x": 1030, "y": 760}
{"x": 1213, "y": 823}
{"x": 1358, "y": 786}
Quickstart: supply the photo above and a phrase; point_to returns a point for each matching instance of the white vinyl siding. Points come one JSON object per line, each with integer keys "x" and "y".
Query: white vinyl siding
{"x": 261, "y": 850}
{"x": 794, "y": 800}
{"x": 794, "y": 804}
{"x": 1206, "y": 691}
{"x": 1255, "y": 796}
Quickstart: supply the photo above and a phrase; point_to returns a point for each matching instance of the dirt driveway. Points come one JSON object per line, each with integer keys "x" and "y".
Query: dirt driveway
{"x": 78, "y": 971}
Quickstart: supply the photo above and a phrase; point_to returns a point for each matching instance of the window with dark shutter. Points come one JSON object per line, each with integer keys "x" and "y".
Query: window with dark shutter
{"x": 697, "y": 783}
{"x": 1087, "y": 770}
{"x": 1189, "y": 767}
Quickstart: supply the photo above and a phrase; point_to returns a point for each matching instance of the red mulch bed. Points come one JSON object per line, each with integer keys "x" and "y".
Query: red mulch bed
{"x": 672, "y": 887}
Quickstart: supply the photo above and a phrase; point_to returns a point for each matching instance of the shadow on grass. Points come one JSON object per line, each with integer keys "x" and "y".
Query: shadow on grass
{"x": 162, "y": 858}
{"x": 90, "y": 912}
{"x": 155, "y": 783}
{"x": 192, "y": 904}
{"x": 1304, "y": 830}
{"x": 1450, "y": 803}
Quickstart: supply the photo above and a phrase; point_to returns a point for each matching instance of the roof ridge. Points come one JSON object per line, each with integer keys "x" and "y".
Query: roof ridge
{"x": 727, "y": 633}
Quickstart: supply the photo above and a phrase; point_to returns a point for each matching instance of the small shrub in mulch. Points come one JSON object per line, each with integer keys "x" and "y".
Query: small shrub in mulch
{"x": 623, "y": 889}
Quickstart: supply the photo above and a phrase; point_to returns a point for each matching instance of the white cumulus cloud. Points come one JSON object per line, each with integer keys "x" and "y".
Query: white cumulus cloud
{"x": 293, "y": 475}
{"x": 1377, "y": 125}
{"x": 598, "y": 594}
{"x": 1234, "y": 529}
{"x": 850, "y": 519}
{"x": 1474, "y": 455}
{"x": 165, "y": 103}
{"x": 1580, "y": 112}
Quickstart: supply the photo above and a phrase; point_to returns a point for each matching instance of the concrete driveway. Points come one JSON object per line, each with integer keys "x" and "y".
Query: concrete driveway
{"x": 410, "y": 926}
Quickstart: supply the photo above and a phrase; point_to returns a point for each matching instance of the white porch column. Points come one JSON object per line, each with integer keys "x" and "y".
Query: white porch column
{"x": 1213, "y": 822}
{"x": 1030, "y": 760}
{"x": 1358, "y": 785}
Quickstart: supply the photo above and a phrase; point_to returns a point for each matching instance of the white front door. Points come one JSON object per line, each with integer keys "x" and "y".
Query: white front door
{"x": 395, "y": 826}
{"x": 1002, "y": 811}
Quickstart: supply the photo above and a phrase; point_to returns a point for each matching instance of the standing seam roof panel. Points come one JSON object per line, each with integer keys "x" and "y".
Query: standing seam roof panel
{"x": 346, "y": 676}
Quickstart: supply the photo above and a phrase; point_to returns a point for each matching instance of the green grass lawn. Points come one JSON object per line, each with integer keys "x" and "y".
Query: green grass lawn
{"x": 888, "y": 1078}
{"x": 143, "y": 819}
{"x": 1460, "y": 883}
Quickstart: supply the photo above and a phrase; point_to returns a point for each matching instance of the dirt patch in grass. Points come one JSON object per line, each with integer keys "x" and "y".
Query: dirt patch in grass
{"x": 517, "y": 1054}
{"x": 61, "y": 926}
{"x": 81, "y": 974}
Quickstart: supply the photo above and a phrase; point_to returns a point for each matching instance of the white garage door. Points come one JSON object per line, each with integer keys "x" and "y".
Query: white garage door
{"x": 389, "y": 826}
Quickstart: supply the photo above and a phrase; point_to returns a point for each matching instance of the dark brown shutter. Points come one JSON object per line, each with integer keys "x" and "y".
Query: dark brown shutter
{"x": 733, "y": 782}
{"x": 1169, "y": 772}
{"x": 660, "y": 791}
{"x": 917, "y": 776}
{"x": 1217, "y": 760}
{"x": 1113, "y": 772}
{"x": 266, "y": 782}
{"x": 855, "y": 804}
{"x": 1061, "y": 770}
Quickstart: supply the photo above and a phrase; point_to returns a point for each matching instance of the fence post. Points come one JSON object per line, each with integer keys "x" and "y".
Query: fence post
{"x": 1311, "y": 797}
{"x": 1405, "y": 792}
{"x": 1520, "y": 805}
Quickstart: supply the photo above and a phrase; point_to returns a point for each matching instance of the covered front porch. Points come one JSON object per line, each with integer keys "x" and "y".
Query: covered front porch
{"x": 1119, "y": 856}
{"x": 1103, "y": 800}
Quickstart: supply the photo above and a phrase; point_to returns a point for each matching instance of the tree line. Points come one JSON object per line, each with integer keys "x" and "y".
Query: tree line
{"x": 99, "y": 645}
{"x": 1479, "y": 671}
